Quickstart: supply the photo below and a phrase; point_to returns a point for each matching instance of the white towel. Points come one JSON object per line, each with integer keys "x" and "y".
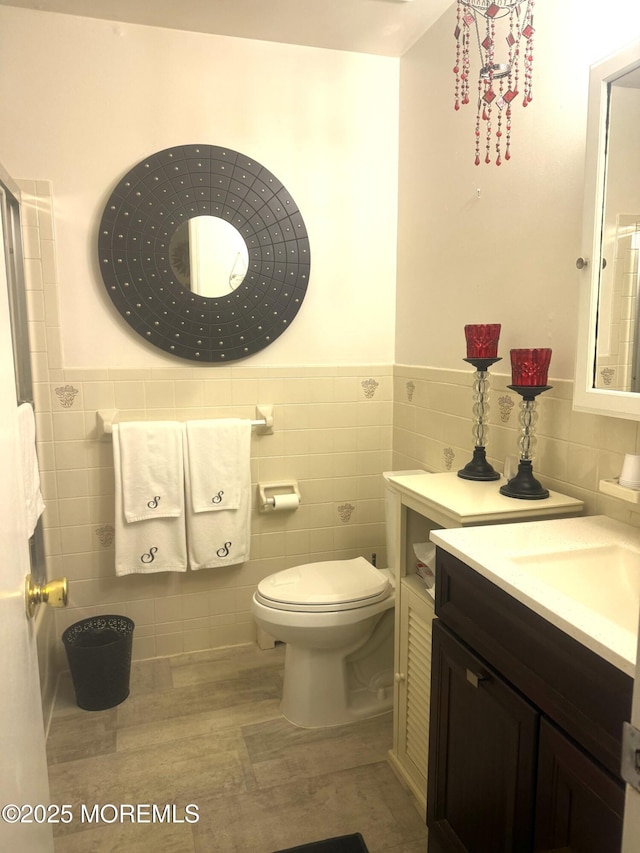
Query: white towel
{"x": 34, "y": 505}
{"x": 215, "y": 454}
{"x": 150, "y": 545}
{"x": 221, "y": 538}
{"x": 151, "y": 465}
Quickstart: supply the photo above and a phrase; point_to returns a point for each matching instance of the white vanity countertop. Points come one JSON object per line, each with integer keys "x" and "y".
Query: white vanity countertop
{"x": 581, "y": 553}
{"x": 453, "y": 502}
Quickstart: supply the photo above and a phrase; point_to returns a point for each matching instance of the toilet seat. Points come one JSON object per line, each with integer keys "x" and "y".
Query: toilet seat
{"x": 330, "y": 585}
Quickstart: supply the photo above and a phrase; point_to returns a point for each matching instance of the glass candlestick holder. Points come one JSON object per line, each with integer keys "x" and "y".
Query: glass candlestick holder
{"x": 478, "y": 468}
{"x": 524, "y": 485}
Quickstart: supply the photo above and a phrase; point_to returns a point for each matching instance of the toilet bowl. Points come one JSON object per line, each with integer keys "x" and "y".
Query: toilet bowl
{"x": 336, "y": 618}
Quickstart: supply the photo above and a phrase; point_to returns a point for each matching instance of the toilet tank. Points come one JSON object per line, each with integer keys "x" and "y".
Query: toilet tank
{"x": 391, "y": 501}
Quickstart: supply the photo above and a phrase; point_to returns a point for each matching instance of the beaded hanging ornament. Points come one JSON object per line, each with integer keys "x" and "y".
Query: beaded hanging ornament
{"x": 498, "y": 82}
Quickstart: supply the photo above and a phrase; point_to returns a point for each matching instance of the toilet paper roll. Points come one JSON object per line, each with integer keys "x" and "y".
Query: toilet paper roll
{"x": 281, "y": 502}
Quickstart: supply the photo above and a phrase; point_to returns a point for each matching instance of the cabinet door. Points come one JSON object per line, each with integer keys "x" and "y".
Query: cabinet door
{"x": 579, "y": 805}
{"x": 482, "y": 755}
{"x": 414, "y": 680}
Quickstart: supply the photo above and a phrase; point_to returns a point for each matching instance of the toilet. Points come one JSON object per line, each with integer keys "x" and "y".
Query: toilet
{"x": 337, "y": 619}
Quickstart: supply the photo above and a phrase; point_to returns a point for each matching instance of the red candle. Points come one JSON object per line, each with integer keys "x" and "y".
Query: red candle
{"x": 482, "y": 340}
{"x": 530, "y": 366}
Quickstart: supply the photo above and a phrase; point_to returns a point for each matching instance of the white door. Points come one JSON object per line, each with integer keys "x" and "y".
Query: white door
{"x": 23, "y": 769}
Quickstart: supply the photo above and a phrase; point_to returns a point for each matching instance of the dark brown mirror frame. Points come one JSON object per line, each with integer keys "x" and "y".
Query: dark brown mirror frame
{"x": 150, "y": 203}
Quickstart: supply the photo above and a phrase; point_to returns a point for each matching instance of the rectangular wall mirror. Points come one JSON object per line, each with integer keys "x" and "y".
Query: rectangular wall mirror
{"x": 608, "y": 357}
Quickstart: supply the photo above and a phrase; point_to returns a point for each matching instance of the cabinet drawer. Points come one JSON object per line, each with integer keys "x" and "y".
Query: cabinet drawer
{"x": 584, "y": 694}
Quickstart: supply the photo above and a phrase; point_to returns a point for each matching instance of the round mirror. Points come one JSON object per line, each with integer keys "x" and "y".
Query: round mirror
{"x": 204, "y": 253}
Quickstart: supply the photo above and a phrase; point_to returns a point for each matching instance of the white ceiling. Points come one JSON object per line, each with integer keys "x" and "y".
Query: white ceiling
{"x": 383, "y": 27}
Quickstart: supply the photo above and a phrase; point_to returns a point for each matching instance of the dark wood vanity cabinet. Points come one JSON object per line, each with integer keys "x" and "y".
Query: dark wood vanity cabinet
{"x": 525, "y": 732}
{"x": 579, "y": 806}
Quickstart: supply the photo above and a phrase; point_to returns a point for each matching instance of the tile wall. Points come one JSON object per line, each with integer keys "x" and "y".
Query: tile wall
{"x": 432, "y": 428}
{"x": 332, "y": 435}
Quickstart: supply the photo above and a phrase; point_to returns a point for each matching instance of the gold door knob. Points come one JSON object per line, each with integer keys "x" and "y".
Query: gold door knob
{"x": 55, "y": 593}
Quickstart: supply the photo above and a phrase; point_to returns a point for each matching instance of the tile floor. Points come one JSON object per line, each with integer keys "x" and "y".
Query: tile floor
{"x": 204, "y": 729}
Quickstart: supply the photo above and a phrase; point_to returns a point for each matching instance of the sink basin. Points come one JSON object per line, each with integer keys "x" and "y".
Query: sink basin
{"x": 606, "y": 579}
{"x": 581, "y": 574}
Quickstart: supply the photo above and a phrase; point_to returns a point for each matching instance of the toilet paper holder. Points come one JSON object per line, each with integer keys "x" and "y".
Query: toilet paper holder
{"x": 278, "y": 496}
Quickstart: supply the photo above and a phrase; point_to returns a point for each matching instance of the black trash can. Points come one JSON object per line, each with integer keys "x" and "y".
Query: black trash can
{"x": 99, "y": 655}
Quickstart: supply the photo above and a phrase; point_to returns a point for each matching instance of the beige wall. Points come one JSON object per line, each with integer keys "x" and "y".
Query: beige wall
{"x": 84, "y": 101}
{"x": 489, "y": 244}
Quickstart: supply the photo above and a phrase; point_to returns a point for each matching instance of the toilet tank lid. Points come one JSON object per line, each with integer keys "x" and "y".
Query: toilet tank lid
{"x": 326, "y": 582}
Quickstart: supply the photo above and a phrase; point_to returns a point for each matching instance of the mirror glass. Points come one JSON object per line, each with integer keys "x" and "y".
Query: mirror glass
{"x": 607, "y": 378}
{"x": 208, "y": 255}
{"x": 617, "y": 365}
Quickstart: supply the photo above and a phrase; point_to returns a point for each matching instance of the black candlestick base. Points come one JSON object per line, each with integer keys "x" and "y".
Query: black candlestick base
{"x": 529, "y": 392}
{"x": 478, "y": 468}
{"x": 524, "y": 485}
{"x": 482, "y": 364}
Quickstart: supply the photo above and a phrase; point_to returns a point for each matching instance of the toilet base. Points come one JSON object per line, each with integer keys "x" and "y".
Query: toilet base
{"x": 324, "y": 701}
{"x": 322, "y": 688}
